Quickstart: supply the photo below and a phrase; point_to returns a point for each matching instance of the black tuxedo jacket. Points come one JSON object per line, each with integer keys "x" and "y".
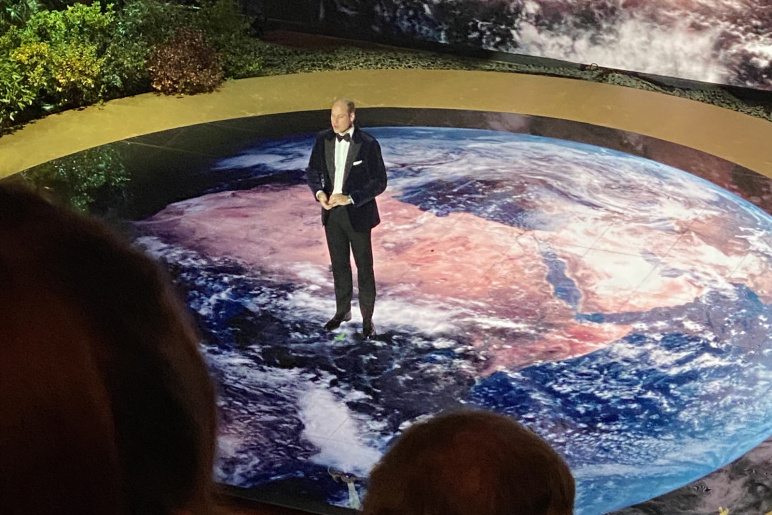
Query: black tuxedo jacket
{"x": 364, "y": 176}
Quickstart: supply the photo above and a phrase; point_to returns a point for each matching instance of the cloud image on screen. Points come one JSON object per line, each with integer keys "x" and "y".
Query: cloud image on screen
{"x": 617, "y": 306}
{"x": 718, "y": 41}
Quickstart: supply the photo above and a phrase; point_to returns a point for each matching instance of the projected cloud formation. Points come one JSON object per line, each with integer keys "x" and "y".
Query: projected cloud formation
{"x": 720, "y": 41}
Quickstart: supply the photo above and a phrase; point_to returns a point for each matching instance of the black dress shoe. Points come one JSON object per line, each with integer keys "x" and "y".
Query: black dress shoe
{"x": 368, "y": 330}
{"x": 335, "y": 321}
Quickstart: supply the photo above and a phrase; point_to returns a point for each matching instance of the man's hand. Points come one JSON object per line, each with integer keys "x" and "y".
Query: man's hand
{"x": 323, "y": 200}
{"x": 339, "y": 199}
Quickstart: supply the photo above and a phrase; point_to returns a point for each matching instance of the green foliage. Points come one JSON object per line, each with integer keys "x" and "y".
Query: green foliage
{"x": 15, "y": 13}
{"x": 139, "y": 26}
{"x": 80, "y": 54}
{"x": 54, "y": 61}
{"x": 77, "y": 24}
{"x": 124, "y": 71}
{"x": 228, "y": 31}
{"x": 69, "y": 73}
{"x": 186, "y": 64}
{"x": 152, "y": 21}
{"x": 81, "y": 178}
{"x": 58, "y": 54}
{"x": 15, "y": 93}
{"x": 18, "y": 88}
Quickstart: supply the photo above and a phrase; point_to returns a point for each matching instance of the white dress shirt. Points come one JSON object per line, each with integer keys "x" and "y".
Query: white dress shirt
{"x": 341, "y": 152}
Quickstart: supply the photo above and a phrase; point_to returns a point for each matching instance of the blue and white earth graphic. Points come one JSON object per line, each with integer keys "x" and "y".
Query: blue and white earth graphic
{"x": 620, "y": 308}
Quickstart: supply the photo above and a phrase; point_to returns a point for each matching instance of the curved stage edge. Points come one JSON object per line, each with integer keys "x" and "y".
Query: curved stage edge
{"x": 173, "y": 165}
{"x": 733, "y": 136}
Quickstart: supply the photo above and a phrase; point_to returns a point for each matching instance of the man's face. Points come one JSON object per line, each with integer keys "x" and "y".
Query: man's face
{"x": 340, "y": 118}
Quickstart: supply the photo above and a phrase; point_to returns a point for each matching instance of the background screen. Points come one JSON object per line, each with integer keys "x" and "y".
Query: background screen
{"x": 719, "y": 41}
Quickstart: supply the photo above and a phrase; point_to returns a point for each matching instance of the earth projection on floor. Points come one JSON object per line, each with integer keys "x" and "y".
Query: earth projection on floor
{"x": 618, "y": 307}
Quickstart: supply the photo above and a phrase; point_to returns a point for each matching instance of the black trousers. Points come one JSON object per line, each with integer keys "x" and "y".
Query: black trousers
{"x": 342, "y": 240}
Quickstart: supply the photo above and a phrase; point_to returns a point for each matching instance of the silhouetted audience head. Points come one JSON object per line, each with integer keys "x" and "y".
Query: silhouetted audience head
{"x": 470, "y": 463}
{"x": 106, "y": 406}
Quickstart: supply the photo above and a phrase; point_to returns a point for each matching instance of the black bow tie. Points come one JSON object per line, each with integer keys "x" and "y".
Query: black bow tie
{"x": 344, "y": 137}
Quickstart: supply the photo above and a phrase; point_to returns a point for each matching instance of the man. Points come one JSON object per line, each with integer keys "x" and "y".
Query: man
{"x": 470, "y": 462}
{"x": 346, "y": 173}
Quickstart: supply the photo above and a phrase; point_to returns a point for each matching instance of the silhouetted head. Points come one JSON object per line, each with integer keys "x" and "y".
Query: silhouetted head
{"x": 470, "y": 463}
{"x": 106, "y": 406}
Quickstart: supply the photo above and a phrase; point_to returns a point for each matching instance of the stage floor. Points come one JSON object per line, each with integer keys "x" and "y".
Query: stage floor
{"x": 610, "y": 288}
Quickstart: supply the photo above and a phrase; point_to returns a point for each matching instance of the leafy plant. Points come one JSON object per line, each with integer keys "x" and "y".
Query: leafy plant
{"x": 186, "y": 64}
{"x": 60, "y": 52}
{"x": 124, "y": 71}
{"x": 79, "y": 23}
{"x": 16, "y": 94}
{"x": 15, "y": 13}
{"x": 228, "y": 31}
{"x": 153, "y": 21}
{"x": 81, "y": 54}
{"x": 139, "y": 26}
{"x": 20, "y": 84}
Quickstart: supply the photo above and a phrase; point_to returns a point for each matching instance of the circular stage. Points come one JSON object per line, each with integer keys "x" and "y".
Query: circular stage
{"x": 609, "y": 289}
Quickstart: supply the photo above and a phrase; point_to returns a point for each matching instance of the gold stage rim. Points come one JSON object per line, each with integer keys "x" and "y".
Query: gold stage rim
{"x": 736, "y": 137}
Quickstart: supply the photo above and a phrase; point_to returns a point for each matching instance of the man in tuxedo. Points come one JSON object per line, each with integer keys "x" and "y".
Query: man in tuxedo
{"x": 346, "y": 172}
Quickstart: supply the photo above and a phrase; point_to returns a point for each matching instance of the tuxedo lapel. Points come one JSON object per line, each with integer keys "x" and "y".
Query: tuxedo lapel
{"x": 329, "y": 155}
{"x": 353, "y": 150}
